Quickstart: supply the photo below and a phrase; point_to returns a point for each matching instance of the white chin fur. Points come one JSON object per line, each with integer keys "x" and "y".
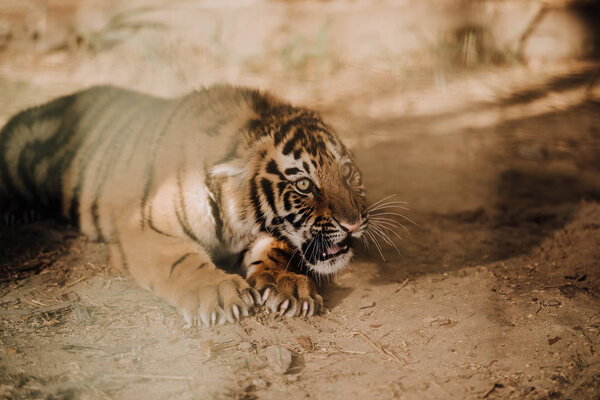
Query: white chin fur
{"x": 332, "y": 266}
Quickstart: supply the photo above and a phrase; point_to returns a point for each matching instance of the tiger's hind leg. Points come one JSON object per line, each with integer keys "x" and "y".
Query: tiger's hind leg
{"x": 282, "y": 291}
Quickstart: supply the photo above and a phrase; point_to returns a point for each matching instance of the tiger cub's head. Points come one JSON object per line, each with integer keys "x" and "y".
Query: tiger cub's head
{"x": 307, "y": 189}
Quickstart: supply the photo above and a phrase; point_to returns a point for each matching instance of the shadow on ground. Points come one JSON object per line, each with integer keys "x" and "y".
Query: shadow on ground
{"x": 536, "y": 172}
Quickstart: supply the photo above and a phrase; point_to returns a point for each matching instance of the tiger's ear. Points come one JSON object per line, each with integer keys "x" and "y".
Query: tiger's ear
{"x": 229, "y": 168}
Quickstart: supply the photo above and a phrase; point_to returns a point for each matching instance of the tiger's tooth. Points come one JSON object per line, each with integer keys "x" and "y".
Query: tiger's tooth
{"x": 324, "y": 254}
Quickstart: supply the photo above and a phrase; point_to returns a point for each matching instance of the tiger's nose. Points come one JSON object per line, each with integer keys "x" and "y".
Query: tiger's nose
{"x": 350, "y": 227}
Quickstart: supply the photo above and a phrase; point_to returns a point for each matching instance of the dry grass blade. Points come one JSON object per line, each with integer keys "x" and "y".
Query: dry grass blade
{"x": 24, "y": 314}
{"x": 380, "y": 349}
{"x": 148, "y": 376}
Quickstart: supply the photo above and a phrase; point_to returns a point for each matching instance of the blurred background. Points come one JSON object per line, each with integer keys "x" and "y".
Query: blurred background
{"x": 483, "y": 115}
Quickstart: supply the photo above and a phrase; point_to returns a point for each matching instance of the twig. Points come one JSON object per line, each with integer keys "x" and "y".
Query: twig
{"x": 108, "y": 350}
{"x": 76, "y": 281}
{"x": 404, "y": 283}
{"x": 145, "y": 376}
{"x": 351, "y": 351}
{"x": 380, "y": 349}
{"x": 496, "y": 386}
{"x": 24, "y": 314}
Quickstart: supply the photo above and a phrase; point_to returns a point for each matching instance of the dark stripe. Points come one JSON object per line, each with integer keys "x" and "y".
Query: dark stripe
{"x": 285, "y": 128}
{"x": 74, "y": 211}
{"x": 287, "y": 204}
{"x": 150, "y": 221}
{"x": 306, "y": 168}
{"x": 214, "y": 205}
{"x": 123, "y": 257}
{"x": 144, "y": 134}
{"x": 186, "y": 229}
{"x": 281, "y": 186}
{"x": 260, "y": 217}
{"x": 175, "y": 110}
{"x": 87, "y": 153}
{"x": 90, "y": 150}
{"x": 292, "y": 171}
{"x": 96, "y": 221}
{"x": 180, "y": 211}
{"x": 179, "y": 261}
{"x": 267, "y": 188}
{"x": 111, "y": 156}
{"x": 36, "y": 149}
{"x": 116, "y": 238}
{"x": 273, "y": 169}
{"x": 290, "y": 144}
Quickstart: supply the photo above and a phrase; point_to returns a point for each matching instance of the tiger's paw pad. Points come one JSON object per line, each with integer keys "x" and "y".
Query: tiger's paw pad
{"x": 291, "y": 295}
{"x": 228, "y": 301}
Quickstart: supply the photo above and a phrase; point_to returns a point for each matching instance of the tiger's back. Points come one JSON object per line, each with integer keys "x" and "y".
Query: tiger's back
{"x": 91, "y": 154}
{"x": 48, "y": 154}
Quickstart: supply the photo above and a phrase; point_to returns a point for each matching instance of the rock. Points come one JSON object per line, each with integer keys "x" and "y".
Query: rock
{"x": 280, "y": 358}
{"x": 259, "y": 383}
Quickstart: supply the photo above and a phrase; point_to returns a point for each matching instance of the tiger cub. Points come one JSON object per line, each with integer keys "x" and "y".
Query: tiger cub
{"x": 188, "y": 191}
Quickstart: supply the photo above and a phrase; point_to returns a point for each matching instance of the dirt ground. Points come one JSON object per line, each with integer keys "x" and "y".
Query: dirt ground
{"x": 492, "y": 292}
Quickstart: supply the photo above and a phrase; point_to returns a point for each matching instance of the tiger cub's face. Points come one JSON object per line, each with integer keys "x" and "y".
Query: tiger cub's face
{"x": 308, "y": 190}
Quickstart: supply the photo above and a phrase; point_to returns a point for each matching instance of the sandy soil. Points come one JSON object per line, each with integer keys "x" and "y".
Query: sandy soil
{"x": 492, "y": 291}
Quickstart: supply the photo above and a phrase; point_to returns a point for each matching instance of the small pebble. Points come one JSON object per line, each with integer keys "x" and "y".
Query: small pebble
{"x": 305, "y": 342}
{"x": 207, "y": 349}
{"x": 553, "y": 340}
{"x": 259, "y": 383}
{"x": 280, "y": 358}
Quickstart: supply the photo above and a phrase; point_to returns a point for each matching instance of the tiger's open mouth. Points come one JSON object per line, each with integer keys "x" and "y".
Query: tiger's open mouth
{"x": 335, "y": 250}
{"x": 331, "y": 251}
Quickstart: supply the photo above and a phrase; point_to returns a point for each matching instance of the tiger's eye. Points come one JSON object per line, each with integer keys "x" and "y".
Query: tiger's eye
{"x": 346, "y": 170}
{"x": 304, "y": 185}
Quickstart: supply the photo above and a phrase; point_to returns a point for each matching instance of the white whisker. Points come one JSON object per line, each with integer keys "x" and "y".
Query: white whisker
{"x": 385, "y": 237}
{"x": 388, "y": 228}
{"x": 398, "y": 215}
{"x": 379, "y": 201}
{"x": 389, "y": 205}
{"x": 376, "y": 243}
{"x": 391, "y": 222}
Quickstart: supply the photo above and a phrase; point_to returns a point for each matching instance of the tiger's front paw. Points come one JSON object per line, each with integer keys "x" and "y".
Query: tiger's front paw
{"x": 216, "y": 300}
{"x": 287, "y": 293}
{"x": 282, "y": 291}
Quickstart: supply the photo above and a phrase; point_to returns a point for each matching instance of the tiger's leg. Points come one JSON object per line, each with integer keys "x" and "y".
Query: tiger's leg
{"x": 291, "y": 294}
{"x": 182, "y": 273}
